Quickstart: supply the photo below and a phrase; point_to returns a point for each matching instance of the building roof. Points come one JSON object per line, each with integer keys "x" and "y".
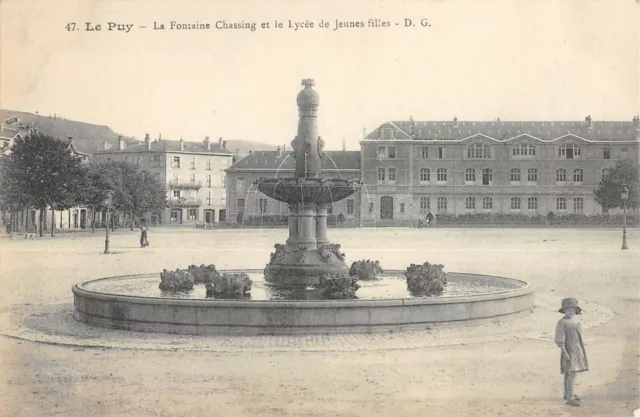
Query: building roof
{"x": 274, "y": 160}
{"x": 8, "y": 134}
{"x": 506, "y": 130}
{"x": 172, "y": 146}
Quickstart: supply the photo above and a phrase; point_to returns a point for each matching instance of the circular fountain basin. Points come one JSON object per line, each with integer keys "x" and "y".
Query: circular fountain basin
{"x": 135, "y": 303}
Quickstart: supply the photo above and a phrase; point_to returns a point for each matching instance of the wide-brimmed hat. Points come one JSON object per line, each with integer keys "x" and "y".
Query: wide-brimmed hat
{"x": 570, "y": 302}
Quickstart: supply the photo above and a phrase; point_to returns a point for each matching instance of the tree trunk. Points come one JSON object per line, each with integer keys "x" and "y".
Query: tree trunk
{"x": 131, "y": 212}
{"x": 53, "y": 220}
{"x": 43, "y": 210}
{"x": 93, "y": 221}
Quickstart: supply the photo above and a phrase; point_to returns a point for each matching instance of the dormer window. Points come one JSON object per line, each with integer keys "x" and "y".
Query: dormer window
{"x": 569, "y": 151}
{"x": 479, "y": 151}
{"x": 386, "y": 133}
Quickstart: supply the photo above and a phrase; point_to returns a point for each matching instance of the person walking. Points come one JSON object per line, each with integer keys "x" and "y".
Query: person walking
{"x": 573, "y": 357}
{"x": 430, "y": 219}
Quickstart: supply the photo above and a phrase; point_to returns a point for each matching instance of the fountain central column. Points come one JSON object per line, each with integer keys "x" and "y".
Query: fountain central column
{"x": 321, "y": 224}
{"x": 306, "y": 227}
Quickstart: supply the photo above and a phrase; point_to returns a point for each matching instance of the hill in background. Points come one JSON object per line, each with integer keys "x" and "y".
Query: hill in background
{"x": 90, "y": 138}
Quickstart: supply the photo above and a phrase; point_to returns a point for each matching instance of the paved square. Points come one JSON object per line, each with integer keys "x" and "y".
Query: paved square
{"x": 501, "y": 367}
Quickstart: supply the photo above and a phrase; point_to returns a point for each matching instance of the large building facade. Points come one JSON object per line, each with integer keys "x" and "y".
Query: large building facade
{"x": 411, "y": 168}
{"x": 244, "y": 197}
{"x": 193, "y": 173}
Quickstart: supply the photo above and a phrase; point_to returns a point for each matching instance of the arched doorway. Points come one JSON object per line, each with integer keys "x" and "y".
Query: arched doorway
{"x": 386, "y": 207}
{"x": 75, "y": 218}
{"x": 83, "y": 218}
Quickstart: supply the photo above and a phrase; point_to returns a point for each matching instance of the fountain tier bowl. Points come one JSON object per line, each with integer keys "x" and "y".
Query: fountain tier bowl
{"x": 307, "y": 190}
{"x": 108, "y": 303}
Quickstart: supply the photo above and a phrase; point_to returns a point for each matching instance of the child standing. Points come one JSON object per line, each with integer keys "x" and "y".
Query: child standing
{"x": 573, "y": 358}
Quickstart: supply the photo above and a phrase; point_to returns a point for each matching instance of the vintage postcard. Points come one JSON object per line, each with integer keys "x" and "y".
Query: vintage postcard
{"x": 287, "y": 208}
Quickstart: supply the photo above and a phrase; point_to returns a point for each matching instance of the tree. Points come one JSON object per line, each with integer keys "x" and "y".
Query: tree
{"x": 609, "y": 192}
{"x": 41, "y": 172}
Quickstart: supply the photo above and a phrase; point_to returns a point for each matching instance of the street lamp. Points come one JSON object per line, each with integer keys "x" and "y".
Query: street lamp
{"x": 107, "y": 202}
{"x": 625, "y": 197}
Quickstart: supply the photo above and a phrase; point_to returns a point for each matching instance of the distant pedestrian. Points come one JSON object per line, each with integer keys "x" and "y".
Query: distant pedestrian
{"x": 143, "y": 237}
{"x": 430, "y": 219}
{"x": 573, "y": 357}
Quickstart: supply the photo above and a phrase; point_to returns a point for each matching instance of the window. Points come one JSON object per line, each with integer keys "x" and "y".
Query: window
{"x": 392, "y": 175}
{"x": 524, "y": 150}
{"x": 440, "y": 153}
{"x": 425, "y": 205}
{"x": 386, "y": 152}
{"x": 515, "y": 175}
{"x": 262, "y": 205}
{"x": 606, "y": 153}
{"x": 240, "y": 184}
{"x": 487, "y": 176}
{"x": 487, "y": 203}
{"x": 370, "y": 207}
{"x": 192, "y": 214}
{"x": 577, "y": 175}
{"x": 442, "y": 204}
{"x": 425, "y": 153}
{"x": 561, "y": 175}
{"x": 515, "y": 203}
{"x": 193, "y": 163}
{"x": 156, "y": 160}
{"x": 223, "y": 181}
{"x": 175, "y": 178}
{"x": 176, "y": 194}
{"x": 381, "y": 175}
{"x": 192, "y": 195}
{"x": 176, "y": 162}
{"x": 578, "y": 205}
{"x": 470, "y": 203}
{"x": 209, "y": 180}
{"x": 479, "y": 151}
{"x": 532, "y": 203}
{"x": 140, "y": 160}
{"x": 425, "y": 175}
{"x": 192, "y": 179}
{"x": 569, "y": 151}
{"x": 240, "y": 204}
{"x": 532, "y": 175}
{"x": 401, "y": 207}
{"x": 351, "y": 206}
{"x": 561, "y": 203}
{"x": 208, "y": 166}
{"x": 469, "y": 175}
{"x": 441, "y": 175}
{"x": 209, "y": 198}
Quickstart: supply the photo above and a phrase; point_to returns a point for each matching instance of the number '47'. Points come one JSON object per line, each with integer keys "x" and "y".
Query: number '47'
{"x": 71, "y": 26}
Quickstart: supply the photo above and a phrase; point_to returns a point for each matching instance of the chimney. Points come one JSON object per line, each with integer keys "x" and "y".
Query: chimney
{"x": 455, "y": 121}
{"x": 588, "y": 121}
{"x": 412, "y": 124}
{"x": 224, "y": 144}
{"x": 279, "y": 150}
{"x": 344, "y": 144}
{"x": 147, "y": 141}
{"x": 220, "y": 142}
{"x": 207, "y": 143}
{"x": 636, "y": 121}
{"x": 181, "y": 144}
{"x": 364, "y": 132}
{"x": 121, "y": 144}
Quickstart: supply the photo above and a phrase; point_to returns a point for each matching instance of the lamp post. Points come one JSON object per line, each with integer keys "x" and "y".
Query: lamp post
{"x": 107, "y": 202}
{"x": 625, "y": 197}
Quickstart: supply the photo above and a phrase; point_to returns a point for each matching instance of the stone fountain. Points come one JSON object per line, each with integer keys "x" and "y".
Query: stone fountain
{"x": 307, "y": 254}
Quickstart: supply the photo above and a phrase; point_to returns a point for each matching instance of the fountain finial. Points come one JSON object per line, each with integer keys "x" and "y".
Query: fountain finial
{"x": 308, "y": 82}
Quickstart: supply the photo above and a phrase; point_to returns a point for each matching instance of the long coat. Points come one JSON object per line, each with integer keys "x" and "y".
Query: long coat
{"x": 569, "y": 334}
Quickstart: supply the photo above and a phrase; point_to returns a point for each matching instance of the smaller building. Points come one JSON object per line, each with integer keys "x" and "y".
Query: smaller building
{"x": 244, "y": 197}
{"x": 193, "y": 173}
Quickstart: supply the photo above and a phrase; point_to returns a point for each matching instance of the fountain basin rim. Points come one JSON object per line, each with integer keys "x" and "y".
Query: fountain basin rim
{"x": 526, "y": 289}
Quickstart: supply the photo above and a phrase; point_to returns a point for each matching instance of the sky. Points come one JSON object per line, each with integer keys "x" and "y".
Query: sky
{"x": 516, "y": 60}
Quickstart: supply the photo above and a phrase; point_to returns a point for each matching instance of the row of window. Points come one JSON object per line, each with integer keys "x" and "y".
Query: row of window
{"x": 262, "y": 205}
{"x": 175, "y": 179}
{"x": 487, "y": 204}
{"x": 388, "y": 175}
{"x": 191, "y": 197}
{"x": 484, "y": 151}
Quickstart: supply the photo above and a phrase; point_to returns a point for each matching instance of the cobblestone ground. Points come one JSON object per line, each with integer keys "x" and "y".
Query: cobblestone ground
{"x": 54, "y": 366}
